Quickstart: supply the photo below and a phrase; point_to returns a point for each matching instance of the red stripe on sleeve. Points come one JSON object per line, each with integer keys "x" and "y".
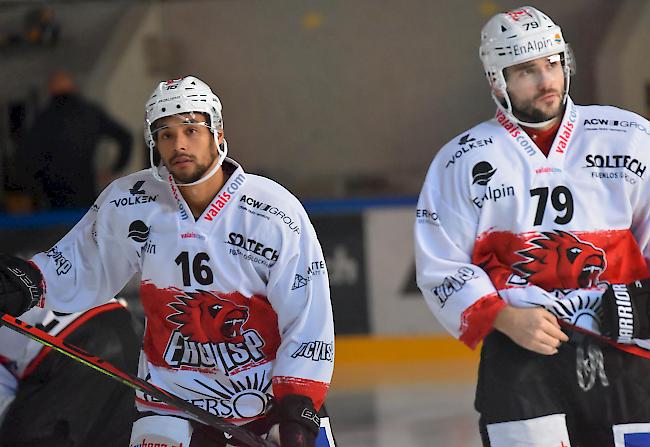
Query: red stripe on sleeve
{"x": 477, "y": 321}
{"x": 316, "y": 391}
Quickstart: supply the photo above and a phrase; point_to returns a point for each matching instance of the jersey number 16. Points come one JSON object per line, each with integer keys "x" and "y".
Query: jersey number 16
{"x": 200, "y": 268}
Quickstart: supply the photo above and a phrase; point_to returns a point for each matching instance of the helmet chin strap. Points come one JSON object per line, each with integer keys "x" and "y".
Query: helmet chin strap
{"x": 222, "y": 156}
{"x": 508, "y": 112}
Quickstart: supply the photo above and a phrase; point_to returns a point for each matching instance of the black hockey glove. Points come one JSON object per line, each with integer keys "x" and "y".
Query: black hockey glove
{"x": 21, "y": 285}
{"x": 625, "y": 311}
{"x": 299, "y": 421}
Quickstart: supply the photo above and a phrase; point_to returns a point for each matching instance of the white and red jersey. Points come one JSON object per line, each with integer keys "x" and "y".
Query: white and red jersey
{"x": 498, "y": 222}
{"x": 237, "y": 301}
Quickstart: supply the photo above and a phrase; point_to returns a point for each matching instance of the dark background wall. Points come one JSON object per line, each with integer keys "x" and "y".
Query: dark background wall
{"x": 342, "y": 97}
{"x": 334, "y": 98}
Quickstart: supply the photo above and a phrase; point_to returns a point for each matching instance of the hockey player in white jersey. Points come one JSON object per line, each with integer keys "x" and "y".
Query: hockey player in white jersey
{"x": 234, "y": 284}
{"x": 532, "y": 235}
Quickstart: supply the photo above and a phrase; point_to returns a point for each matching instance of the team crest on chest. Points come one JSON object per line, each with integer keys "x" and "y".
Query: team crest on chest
{"x": 219, "y": 330}
{"x": 205, "y": 317}
{"x": 560, "y": 260}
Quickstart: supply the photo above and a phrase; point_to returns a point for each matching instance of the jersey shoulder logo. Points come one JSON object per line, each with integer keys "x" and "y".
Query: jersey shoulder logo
{"x": 137, "y": 188}
{"x": 482, "y": 173}
{"x": 559, "y": 260}
{"x": 205, "y": 317}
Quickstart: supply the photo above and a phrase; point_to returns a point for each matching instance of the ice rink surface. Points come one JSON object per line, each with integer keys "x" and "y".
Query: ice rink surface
{"x": 415, "y": 404}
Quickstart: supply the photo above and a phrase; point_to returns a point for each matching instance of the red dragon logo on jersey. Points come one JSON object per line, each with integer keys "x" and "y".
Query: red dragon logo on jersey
{"x": 559, "y": 260}
{"x": 205, "y": 317}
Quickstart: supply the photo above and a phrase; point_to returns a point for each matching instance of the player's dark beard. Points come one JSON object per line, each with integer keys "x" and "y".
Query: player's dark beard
{"x": 201, "y": 169}
{"x": 528, "y": 113}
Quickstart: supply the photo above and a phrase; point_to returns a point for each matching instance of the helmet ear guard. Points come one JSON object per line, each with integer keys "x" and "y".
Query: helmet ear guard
{"x": 516, "y": 37}
{"x": 180, "y": 96}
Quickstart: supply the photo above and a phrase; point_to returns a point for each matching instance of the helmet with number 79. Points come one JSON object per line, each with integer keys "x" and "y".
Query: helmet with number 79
{"x": 519, "y": 36}
{"x": 181, "y": 96}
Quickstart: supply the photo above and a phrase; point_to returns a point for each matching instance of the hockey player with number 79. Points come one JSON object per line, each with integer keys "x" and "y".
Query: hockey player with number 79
{"x": 532, "y": 235}
{"x": 234, "y": 283}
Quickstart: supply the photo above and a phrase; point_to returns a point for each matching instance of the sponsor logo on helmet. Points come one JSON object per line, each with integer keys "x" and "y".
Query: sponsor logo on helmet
{"x": 529, "y": 48}
{"x": 517, "y": 14}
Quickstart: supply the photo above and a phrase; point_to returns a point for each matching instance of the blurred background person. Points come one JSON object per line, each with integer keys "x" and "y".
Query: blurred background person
{"x": 57, "y": 159}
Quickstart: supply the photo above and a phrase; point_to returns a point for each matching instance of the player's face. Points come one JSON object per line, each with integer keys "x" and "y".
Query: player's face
{"x": 536, "y": 88}
{"x": 186, "y": 146}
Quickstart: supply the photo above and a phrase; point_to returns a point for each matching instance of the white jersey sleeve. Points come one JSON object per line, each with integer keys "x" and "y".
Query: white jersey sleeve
{"x": 640, "y": 197}
{"x": 449, "y": 281}
{"x": 91, "y": 263}
{"x": 298, "y": 290}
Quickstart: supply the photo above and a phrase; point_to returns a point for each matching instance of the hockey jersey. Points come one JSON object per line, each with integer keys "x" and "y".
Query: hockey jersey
{"x": 498, "y": 222}
{"x": 236, "y": 302}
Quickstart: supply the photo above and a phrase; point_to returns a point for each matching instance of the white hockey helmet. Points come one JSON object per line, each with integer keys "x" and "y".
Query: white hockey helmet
{"x": 184, "y": 95}
{"x": 515, "y": 37}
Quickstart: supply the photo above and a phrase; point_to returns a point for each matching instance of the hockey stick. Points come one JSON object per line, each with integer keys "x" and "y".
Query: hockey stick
{"x": 242, "y": 435}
